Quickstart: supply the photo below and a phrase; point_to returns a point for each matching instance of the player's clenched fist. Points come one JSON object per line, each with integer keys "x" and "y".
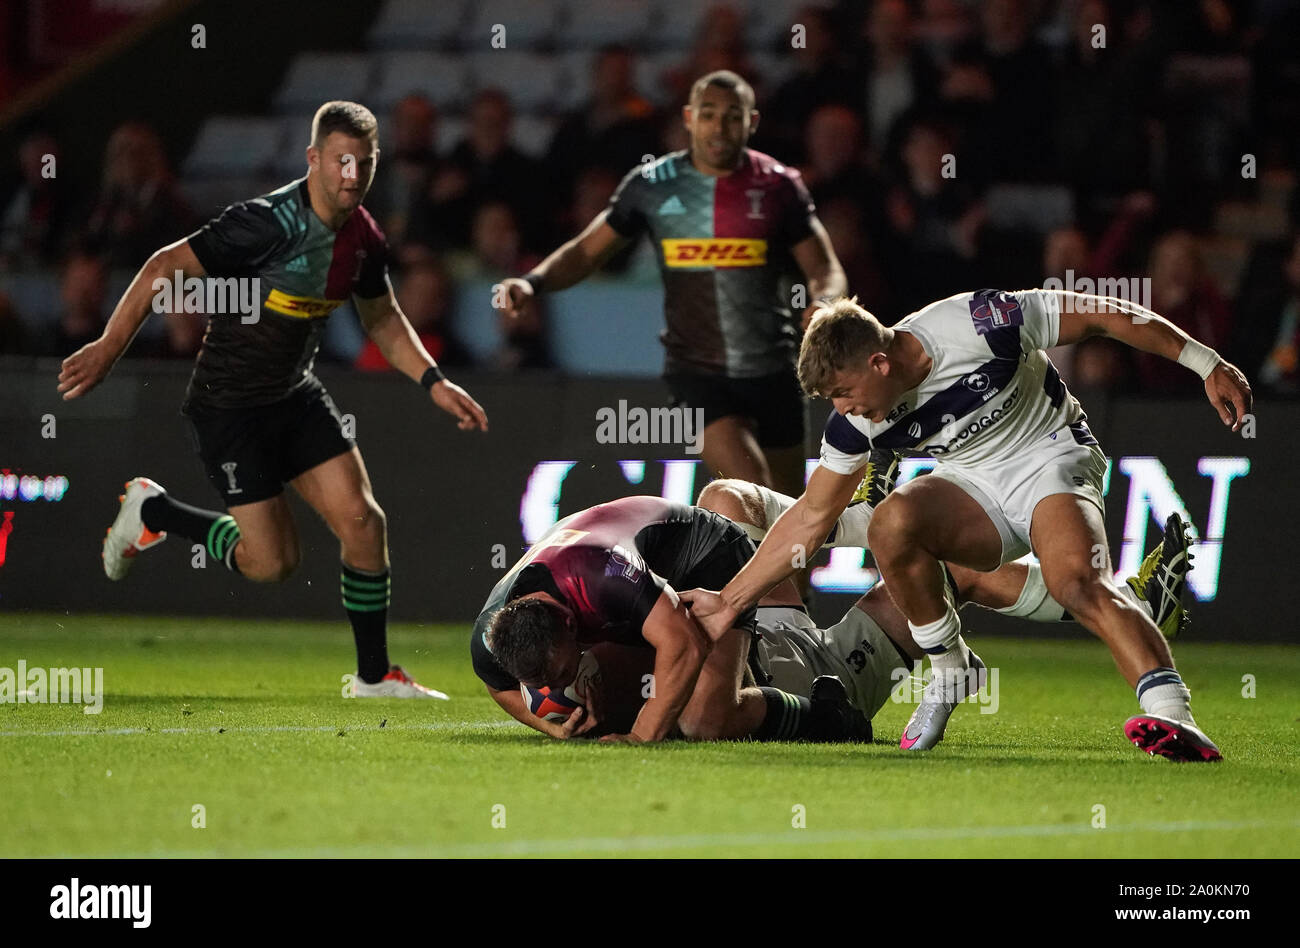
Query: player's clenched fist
{"x": 517, "y": 293}
{"x": 85, "y": 369}
{"x": 711, "y": 611}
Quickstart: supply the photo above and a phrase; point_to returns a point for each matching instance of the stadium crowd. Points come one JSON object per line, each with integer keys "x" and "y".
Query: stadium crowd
{"x": 948, "y": 145}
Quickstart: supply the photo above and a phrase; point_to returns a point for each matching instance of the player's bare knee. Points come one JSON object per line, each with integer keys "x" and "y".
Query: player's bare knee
{"x": 700, "y": 726}
{"x": 735, "y": 499}
{"x": 268, "y": 567}
{"x": 363, "y": 526}
{"x": 890, "y": 527}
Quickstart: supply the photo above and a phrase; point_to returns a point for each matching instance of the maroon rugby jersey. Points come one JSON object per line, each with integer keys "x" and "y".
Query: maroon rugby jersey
{"x": 609, "y": 564}
{"x": 723, "y": 246}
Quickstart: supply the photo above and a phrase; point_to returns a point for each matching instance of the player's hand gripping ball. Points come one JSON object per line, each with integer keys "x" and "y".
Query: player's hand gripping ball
{"x": 551, "y": 705}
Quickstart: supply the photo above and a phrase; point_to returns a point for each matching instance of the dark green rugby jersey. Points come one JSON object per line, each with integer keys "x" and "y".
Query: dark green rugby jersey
{"x": 723, "y": 245}
{"x": 306, "y": 270}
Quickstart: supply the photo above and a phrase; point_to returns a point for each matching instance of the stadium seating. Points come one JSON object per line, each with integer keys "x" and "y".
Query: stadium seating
{"x": 443, "y": 77}
{"x": 417, "y": 24}
{"x": 230, "y": 146}
{"x": 531, "y": 80}
{"x": 593, "y": 23}
{"x": 317, "y": 77}
{"x": 526, "y": 24}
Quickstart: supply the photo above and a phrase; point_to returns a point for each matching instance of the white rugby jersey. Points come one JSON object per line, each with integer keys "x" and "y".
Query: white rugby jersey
{"x": 991, "y": 393}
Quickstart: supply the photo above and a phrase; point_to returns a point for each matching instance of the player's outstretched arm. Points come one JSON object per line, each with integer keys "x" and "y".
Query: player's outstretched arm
{"x": 821, "y": 269}
{"x": 90, "y": 364}
{"x": 572, "y": 263}
{"x": 388, "y": 326}
{"x": 797, "y": 535}
{"x": 1084, "y": 315}
{"x": 680, "y": 650}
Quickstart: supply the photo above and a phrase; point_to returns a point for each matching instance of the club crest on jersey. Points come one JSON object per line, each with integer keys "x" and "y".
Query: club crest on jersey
{"x": 621, "y": 564}
{"x": 993, "y": 309}
{"x": 976, "y": 382}
{"x": 755, "y": 196}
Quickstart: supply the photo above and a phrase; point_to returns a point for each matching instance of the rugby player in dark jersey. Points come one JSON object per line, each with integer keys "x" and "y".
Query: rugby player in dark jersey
{"x": 601, "y": 583}
{"x": 609, "y": 574}
{"x": 727, "y": 223}
{"x": 260, "y": 417}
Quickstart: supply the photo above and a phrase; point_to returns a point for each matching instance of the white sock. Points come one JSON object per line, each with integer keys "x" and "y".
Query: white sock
{"x": 1161, "y": 691}
{"x": 940, "y": 638}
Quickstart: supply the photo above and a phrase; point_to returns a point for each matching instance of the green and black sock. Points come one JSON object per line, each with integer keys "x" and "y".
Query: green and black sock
{"x": 788, "y": 716}
{"x": 217, "y": 532}
{"x": 365, "y": 597}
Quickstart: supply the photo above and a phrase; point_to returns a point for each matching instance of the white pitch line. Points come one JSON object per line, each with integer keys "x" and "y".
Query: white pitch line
{"x": 720, "y": 841}
{"x": 262, "y": 729}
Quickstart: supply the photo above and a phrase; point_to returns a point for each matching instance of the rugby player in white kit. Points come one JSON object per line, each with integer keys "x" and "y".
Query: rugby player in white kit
{"x": 967, "y": 380}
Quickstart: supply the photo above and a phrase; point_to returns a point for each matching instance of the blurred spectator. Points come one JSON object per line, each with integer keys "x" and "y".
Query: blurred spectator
{"x": 139, "y": 207}
{"x": 896, "y": 77}
{"x": 835, "y": 166}
{"x": 483, "y": 166}
{"x": 822, "y": 78}
{"x": 934, "y": 220}
{"x": 1103, "y": 100}
{"x": 611, "y": 131}
{"x": 496, "y": 246}
{"x": 1266, "y": 339}
{"x": 1096, "y": 363}
{"x": 496, "y": 253}
{"x": 719, "y": 44}
{"x": 942, "y": 27}
{"x": 407, "y": 164}
{"x": 35, "y": 225}
{"x": 1002, "y": 84}
{"x": 1183, "y": 293}
{"x": 591, "y": 194}
{"x": 83, "y": 292}
{"x": 523, "y": 342}
{"x": 13, "y": 334}
{"x": 426, "y": 295}
{"x": 843, "y": 220}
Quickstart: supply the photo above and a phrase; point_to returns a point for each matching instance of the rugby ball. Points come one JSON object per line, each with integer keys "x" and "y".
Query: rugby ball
{"x": 552, "y": 705}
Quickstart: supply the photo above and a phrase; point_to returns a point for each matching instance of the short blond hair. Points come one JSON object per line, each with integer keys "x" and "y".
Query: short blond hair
{"x": 842, "y": 334}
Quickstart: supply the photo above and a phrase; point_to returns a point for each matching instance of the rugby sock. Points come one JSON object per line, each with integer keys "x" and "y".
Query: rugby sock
{"x": 788, "y": 716}
{"x": 939, "y": 638}
{"x": 217, "y": 532}
{"x": 365, "y": 597}
{"x": 1161, "y": 691}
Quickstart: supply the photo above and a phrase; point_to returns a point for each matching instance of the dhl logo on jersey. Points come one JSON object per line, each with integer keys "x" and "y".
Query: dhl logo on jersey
{"x": 715, "y": 252}
{"x": 300, "y": 307}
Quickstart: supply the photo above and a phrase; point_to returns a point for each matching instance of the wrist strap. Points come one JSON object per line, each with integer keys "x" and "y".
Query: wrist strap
{"x": 431, "y": 377}
{"x": 1200, "y": 359}
{"x": 534, "y": 281}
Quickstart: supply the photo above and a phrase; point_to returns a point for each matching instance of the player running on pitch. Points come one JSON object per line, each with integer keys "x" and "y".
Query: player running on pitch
{"x": 864, "y": 650}
{"x": 967, "y": 380}
{"x": 260, "y": 416}
{"x": 727, "y": 223}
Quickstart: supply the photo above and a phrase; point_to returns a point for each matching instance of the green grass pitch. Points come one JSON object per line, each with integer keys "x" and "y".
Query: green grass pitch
{"x": 247, "y": 720}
